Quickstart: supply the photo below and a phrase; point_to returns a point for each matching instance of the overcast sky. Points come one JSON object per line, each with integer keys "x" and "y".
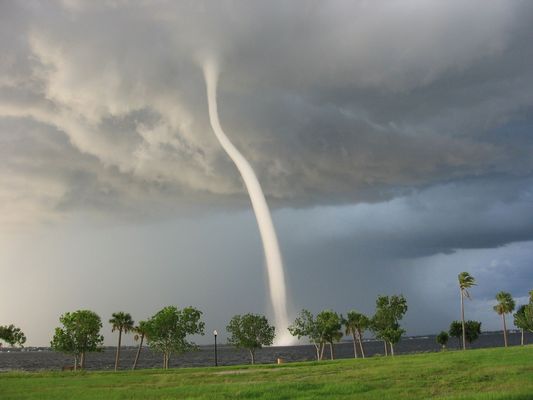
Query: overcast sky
{"x": 393, "y": 139}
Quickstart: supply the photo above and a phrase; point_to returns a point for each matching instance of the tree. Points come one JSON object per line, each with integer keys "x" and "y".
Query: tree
{"x": 121, "y": 322}
{"x": 168, "y": 330}
{"x": 12, "y": 335}
{"x": 520, "y": 321}
{"x": 385, "y": 322}
{"x": 329, "y": 324}
{"x": 505, "y": 305}
{"x": 472, "y": 330}
{"x": 456, "y": 329}
{"x": 305, "y": 326}
{"x": 140, "y": 333}
{"x": 356, "y": 324}
{"x": 523, "y": 319}
{"x": 79, "y": 335}
{"x": 466, "y": 281}
{"x": 528, "y": 314}
{"x": 442, "y": 339}
{"x": 250, "y": 332}
{"x": 392, "y": 335}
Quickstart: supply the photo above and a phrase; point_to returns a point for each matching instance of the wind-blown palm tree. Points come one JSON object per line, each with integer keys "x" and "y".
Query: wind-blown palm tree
{"x": 466, "y": 281}
{"x": 505, "y": 305}
{"x": 356, "y": 323}
{"x": 141, "y": 331}
{"x": 121, "y": 322}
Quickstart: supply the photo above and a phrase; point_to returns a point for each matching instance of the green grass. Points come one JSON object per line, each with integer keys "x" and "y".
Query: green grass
{"x": 474, "y": 374}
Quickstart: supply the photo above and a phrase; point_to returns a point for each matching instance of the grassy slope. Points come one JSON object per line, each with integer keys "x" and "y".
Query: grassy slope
{"x": 475, "y": 374}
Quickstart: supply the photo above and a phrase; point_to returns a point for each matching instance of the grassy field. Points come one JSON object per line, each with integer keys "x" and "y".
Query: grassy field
{"x": 475, "y": 374}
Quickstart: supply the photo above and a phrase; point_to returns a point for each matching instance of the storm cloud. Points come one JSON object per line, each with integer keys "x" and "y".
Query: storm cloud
{"x": 332, "y": 102}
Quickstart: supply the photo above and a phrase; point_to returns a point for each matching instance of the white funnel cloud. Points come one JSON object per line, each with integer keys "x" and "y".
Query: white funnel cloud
{"x": 276, "y": 277}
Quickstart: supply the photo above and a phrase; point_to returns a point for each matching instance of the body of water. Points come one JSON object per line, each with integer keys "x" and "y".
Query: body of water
{"x": 39, "y": 359}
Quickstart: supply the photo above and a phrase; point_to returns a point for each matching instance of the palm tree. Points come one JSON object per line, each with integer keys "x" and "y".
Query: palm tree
{"x": 466, "y": 281}
{"x": 121, "y": 322}
{"x": 141, "y": 331}
{"x": 356, "y": 323}
{"x": 505, "y": 305}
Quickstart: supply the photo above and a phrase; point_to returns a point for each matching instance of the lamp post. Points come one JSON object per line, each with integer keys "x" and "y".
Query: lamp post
{"x": 215, "y": 333}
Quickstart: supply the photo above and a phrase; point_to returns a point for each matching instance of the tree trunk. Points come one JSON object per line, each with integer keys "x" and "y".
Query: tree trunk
{"x": 117, "y": 355}
{"x": 463, "y": 319}
{"x": 386, "y": 351}
{"x": 360, "y": 337}
{"x": 317, "y": 349}
{"x": 522, "y": 337}
{"x": 138, "y": 352}
{"x": 168, "y": 360}
{"x": 354, "y": 345}
{"x": 391, "y": 349}
{"x": 504, "y": 330}
{"x": 164, "y": 360}
{"x": 82, "y": 360}
{"x": 332, "y": 356}
{"x": 75, "y": 362}
{"x": 322, "y": 347}
{"x": 252, "y": 356}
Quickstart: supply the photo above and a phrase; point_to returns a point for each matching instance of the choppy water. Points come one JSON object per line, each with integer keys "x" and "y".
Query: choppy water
{"x": 46, "y": 359}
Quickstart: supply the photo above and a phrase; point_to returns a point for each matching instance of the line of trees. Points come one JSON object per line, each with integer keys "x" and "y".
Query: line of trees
{"x": 168, "y": 330}
{"x": 470, "y": 330}
{"x": 325, "y": 328}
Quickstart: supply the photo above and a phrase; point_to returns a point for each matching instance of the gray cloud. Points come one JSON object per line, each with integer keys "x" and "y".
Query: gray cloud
{"x": 343, "y": 257}
{"x": 331, "y": 102}
{"x": 468, "y": 214}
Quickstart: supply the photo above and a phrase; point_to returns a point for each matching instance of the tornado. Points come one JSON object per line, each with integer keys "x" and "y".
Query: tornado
{"x": 274, "y": 264}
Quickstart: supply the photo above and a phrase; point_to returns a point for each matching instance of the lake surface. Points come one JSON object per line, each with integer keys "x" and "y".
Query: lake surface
{"x": 38, "y": 359}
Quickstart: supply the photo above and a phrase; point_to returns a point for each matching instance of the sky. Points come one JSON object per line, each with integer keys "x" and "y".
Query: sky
{"x": 393, "y": 140}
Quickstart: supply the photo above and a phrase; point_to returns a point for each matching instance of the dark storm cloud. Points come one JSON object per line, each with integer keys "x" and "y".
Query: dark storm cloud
{"x": 415, "y": 244}
{"x": 443, "y": 219}
{"x": 337, "y": 102}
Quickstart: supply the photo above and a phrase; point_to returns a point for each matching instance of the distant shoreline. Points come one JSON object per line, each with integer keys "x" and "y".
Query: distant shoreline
{"x": 42, "y": 358}
{"x": 224, "y": 345}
